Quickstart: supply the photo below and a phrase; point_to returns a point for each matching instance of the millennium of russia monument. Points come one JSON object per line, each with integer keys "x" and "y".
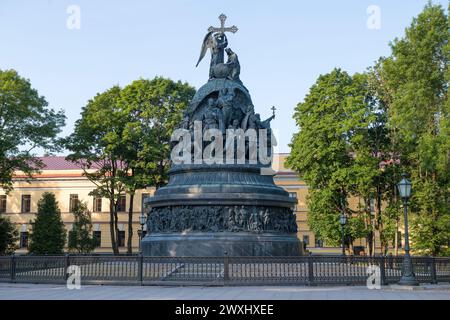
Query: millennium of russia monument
{"x": 221, "y": 198}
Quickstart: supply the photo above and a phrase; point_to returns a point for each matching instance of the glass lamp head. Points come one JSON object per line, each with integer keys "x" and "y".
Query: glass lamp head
{"x": 142, "y": 219}
{"x": 343, "y": 219}
{"x": 404, "y": 188}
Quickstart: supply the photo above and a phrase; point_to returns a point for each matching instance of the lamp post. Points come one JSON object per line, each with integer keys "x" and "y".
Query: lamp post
{"x": 142, "y": 221}
{"x": 408, "y": 278}
{"x": 343, "y": 222}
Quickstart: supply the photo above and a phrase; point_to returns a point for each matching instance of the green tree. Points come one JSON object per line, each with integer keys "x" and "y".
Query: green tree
{"x": 358, "y": 134}
{"x": 375, "y": 158}
{"x": 97, "y": 148}
{"x": 332, "y": 117}
{"x": 49, "y": 234}
{"x": 122, "y": 140}
{"x": 26, "y": 123}
{"x": 417, "y": 76}
{"x": 383, "y": 144}
{"x": 8, "y": 237}
{"x": 152, "y": 109}
{"x": 80, "y": 238}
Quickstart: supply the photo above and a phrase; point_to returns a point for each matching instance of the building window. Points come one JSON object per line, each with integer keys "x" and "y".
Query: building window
{"x": 2, "y": 203}
{"x": 306, "y": 240}
{"x": 97, "y": 236}
{"x": 73, "y": 203}
{"x": 23, "y": 239}
{"x": 26, "y": 203}
{"x": 122, "y": 204}
{"x": 121, "y": 238}
{"x": 318, "y": 242}
{"x": 97, "y": 204}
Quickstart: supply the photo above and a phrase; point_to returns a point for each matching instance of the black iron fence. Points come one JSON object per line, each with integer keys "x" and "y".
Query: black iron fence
{"x": 140, "y": 270}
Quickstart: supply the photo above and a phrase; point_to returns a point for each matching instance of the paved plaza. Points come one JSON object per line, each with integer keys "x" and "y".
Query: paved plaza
{"x": 89, "y": 292}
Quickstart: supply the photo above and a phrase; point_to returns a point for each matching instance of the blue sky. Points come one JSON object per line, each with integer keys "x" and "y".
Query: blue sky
{"x": 283, "y": 46}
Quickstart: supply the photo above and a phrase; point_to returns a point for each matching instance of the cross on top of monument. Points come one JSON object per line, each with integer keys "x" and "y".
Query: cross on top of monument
{"x": 273, "y": 110}
{"x": 222, "y": 27}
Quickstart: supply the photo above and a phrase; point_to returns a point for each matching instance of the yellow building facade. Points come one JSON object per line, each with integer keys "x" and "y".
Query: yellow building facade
{"x": 69, "y": 185}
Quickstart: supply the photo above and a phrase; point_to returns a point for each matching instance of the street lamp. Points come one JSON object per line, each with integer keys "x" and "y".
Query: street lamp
{"x": 408, "y": 278}
{"x": 142, "y": 221}
{"x": 343, "y": 222}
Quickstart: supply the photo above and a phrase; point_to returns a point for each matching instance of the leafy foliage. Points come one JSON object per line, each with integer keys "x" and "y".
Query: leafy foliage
{"x": 97, "y": 148}
{"x": 416, "y": 75}
{"x": 8, "y": 236}
{"x": 124, "y": 135}
{"x": 152, "y": 109}
{"x": 49, "y": 233}
{"x": 26, "y": 123}
{"x": 359, "y": 133}
{"x": 330, "y": 119}
{"x": 80, "y": 238}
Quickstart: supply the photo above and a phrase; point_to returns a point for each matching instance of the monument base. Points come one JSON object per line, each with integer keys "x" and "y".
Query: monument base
{"x": 210, "y": 244}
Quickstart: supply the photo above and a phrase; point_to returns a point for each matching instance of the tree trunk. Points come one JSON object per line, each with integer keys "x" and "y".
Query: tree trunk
{"x": 396, "y": 237}
{"x": 112, "y": 224}
{"x": 368, "y": 222}
{"x": 116, "y": 228}
{"x": 374, "y": 235}
{"x": 130, "y": 224}
{"x": 113, "y": 210}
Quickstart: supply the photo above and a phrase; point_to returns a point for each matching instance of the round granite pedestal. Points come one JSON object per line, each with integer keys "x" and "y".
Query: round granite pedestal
{"x": 201, "y": 244}
{"x": 206, "y": 210}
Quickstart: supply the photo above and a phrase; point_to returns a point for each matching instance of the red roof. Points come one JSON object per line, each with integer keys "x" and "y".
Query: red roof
{"x": 58, "y": 163}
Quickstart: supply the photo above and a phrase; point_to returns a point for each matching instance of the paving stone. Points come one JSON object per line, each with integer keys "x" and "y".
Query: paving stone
{"x": 60, "y": 292}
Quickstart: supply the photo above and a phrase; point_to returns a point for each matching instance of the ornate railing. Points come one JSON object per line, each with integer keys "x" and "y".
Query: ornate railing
{"x": 140, "y": 270}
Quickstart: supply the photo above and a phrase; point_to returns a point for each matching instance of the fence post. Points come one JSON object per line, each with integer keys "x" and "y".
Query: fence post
{"x": 226, "y": 266}
{"x": 310, "y": 270}
{"x": 140, "y": 268}
{"x": 382, "y": 270}
{"x": 433, "y": 270}
{"x": 13, "y": 268}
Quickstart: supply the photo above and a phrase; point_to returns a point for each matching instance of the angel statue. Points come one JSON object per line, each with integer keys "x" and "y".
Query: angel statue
{"x": 216, "y": 42}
